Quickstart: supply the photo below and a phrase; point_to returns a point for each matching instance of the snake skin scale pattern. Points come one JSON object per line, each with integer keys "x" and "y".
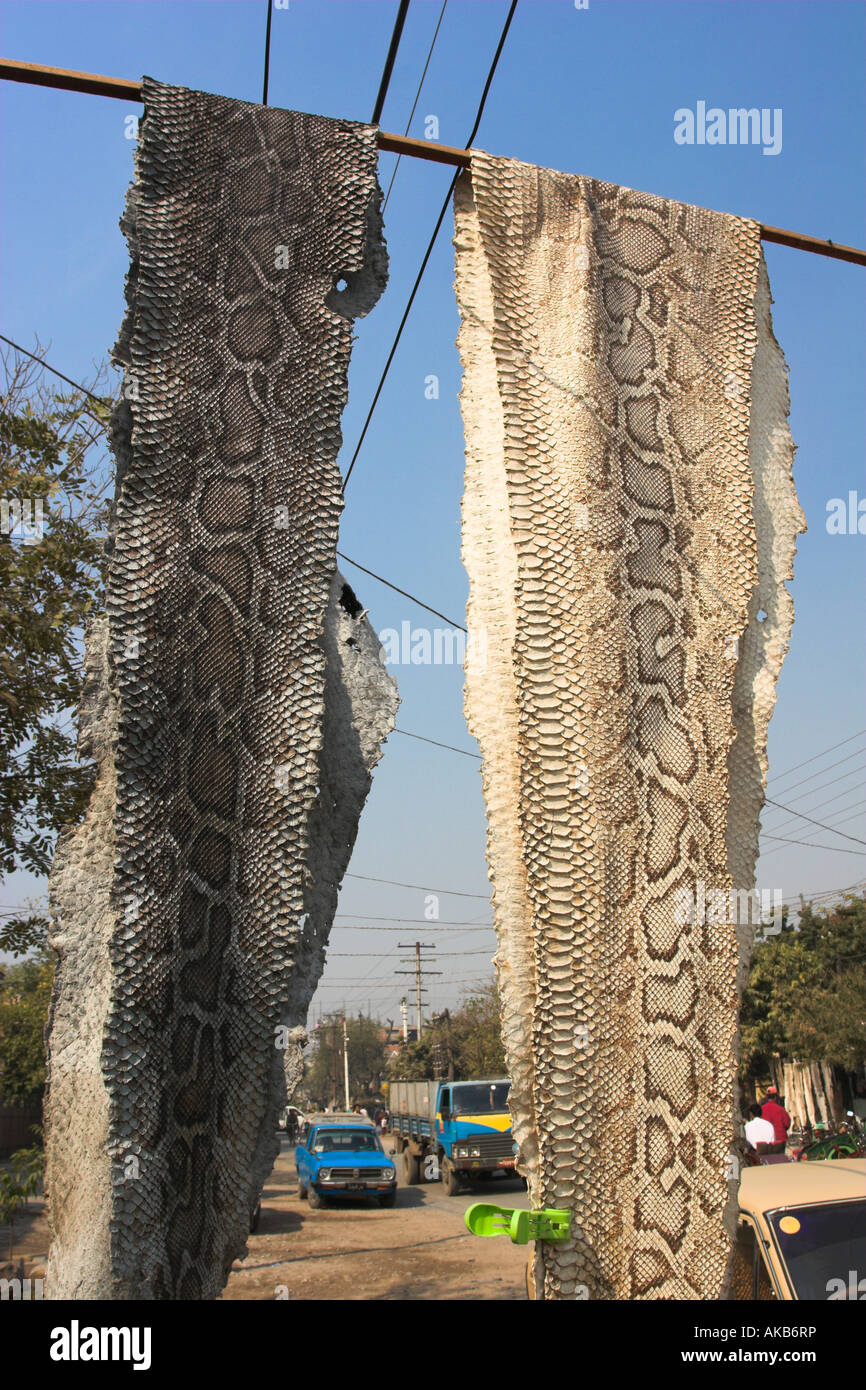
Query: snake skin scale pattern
{"x": 629, "y": 522}
{"x": 235, "y": 701}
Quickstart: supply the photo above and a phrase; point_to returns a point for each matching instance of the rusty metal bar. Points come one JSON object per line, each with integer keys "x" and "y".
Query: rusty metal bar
{"x": 67, "y": 80}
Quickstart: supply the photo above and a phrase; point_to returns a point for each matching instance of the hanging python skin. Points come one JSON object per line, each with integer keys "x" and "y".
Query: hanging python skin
{"x": 629, "y": 521}
{"x": 235, "y": 702}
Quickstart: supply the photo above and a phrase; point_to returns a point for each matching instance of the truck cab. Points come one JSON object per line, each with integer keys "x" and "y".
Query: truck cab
{"x": 456, "y": 1130}
{"x": 473, "y": 1129}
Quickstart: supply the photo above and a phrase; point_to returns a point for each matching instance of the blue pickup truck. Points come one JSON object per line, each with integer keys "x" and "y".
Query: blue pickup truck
{"x": 341, "y": 1156}
{"x": 454, "y": 1130}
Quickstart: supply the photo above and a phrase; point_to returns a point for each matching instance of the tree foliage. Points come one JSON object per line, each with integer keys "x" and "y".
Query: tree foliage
{"x": 324, "y": 1079}
{"x": 25, "y": 990}
{"x": 469, "y": 1039}
{"x": 806, "y": 996}
{"x": 52, "y": 573}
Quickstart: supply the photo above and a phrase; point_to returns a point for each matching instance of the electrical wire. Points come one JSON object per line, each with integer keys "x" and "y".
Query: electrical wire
{"x": 849, "y": 791}
{"x": 810, "y": 844}
{"x": 422, "y": 887}
{"x": 436, "y": 744}
{"x": 385, "y": 82}
{"x": 765, "y": 855}
{"x": 431, "y": 243}
{"x": 822, "y": 786}
{"x": 415, "y": 921}
{"x": 779, "y": 775}
{"x": 404, "y": 592}
{"x": 415, "y": 102}
{"x": 821, "y": 826}
{"x": 388, "y": 955}
{"x": 270, "y": 6}
{"x": 68, "y": 379}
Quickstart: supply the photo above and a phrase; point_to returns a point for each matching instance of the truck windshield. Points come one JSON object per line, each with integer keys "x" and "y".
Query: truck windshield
{"x": 329, "y": 1141}
{"x": 485, "y": 1098}
{"x": 824, "y": 1247}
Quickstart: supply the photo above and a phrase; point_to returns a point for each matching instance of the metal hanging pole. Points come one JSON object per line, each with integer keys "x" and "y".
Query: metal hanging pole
{"x": 66, "y": 79}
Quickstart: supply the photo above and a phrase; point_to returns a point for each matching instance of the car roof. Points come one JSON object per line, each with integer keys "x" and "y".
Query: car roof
{"x": 341, "y": 1118}
{"x": 801, "y": 1184}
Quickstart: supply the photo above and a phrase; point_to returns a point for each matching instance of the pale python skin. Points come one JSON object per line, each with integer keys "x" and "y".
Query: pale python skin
{"x": 235, "y": 351}
{"x": 616, "y": 573}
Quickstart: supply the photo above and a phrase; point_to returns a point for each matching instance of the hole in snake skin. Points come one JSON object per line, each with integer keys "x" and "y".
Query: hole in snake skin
{"x": 349, "y": 602}
{"x": 762, "y": 615}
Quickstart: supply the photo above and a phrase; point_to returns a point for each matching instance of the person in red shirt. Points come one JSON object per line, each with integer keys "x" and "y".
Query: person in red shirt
{"x": 777, "y": 1115}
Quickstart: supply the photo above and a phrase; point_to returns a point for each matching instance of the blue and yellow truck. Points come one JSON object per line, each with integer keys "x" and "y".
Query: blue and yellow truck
{"x": 453, "y": 1130}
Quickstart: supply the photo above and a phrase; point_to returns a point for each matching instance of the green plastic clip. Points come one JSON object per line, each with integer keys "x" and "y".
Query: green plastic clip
{"x": 482, "y": 1219}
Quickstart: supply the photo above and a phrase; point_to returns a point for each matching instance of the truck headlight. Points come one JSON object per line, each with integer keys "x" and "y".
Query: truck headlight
{"x": 324, "y": 1174}
{"x": 475, "y": 1152}
{"x": 390, "y": 1174}
{"x": 462, "y": 1151}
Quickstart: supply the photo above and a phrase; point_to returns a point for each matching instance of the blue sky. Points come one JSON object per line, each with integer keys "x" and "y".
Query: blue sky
{"x": 593, "y": 91}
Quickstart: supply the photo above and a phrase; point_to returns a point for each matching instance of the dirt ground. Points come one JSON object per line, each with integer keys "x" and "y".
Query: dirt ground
{"x": 420, "y": 1249}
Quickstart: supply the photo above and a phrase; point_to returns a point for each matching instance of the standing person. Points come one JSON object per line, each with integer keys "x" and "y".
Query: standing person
{"x": 759, "y": 1131}
{"x": 777, "y": 1115}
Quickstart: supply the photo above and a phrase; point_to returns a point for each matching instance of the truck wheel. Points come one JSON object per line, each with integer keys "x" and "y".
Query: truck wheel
{"x": 411, "y": 1168}
{"x": 302, "y": 1192}
{"x": 450, "y": 1178}
{"x": 316, "y": 1199}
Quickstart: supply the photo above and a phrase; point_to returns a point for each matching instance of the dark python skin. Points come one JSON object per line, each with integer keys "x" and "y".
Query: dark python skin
{"x": 235, "y": 351}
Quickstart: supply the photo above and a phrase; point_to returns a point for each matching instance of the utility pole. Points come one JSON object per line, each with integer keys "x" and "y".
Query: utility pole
{"x": 346, "y": 1061}
{"x": 419, "y": 972}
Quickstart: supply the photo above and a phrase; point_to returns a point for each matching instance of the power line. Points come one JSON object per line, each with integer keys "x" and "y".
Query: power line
{"x": 270, "y": 6}
{"x": 810, "y": 844}
{"x": 402, "y": 11}
{"x": 856, "y": 816}
{"x": 432, "y": 927}
{"x": 779, "y": 775}
{"x": 431, "y": 243}
{"x": 417, "y": 99}
{"x": 415, "y": 921}
{"x": 849, "y": 791}
{"x": 398, "y": 989}
{"x": 388, "y": 955}
{"x": 853, "y": 838}
{"x": 422, "y": 887}
{"x": 106, "y": 402}
{"x": 436, "y": 744}
{"x": 404, "y": 592}
{"x": 822, "y": 786}
{"x": 100, "y": 400}
{"x": 832, "y": 892}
